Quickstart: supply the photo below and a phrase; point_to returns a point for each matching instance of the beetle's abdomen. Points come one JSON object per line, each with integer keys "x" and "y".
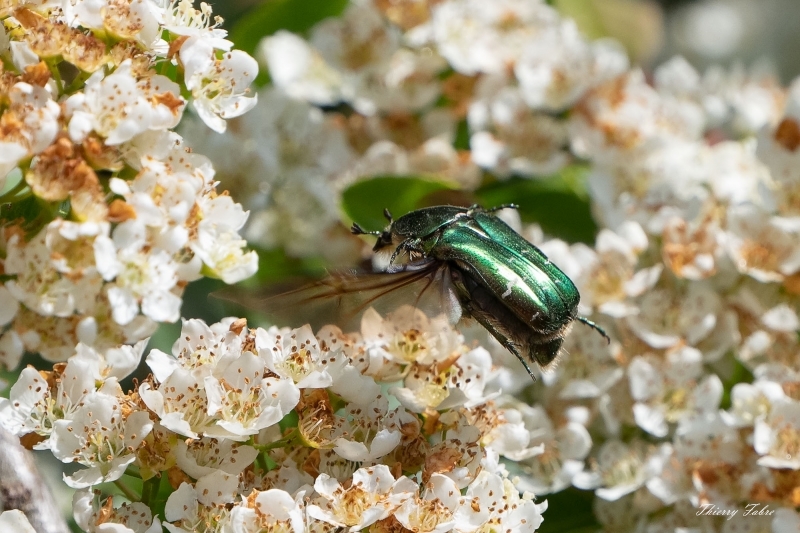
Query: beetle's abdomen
{"x": 517, "y": 273}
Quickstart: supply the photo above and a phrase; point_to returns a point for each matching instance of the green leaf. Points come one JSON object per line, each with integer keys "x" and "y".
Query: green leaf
{"x": 569, "y": 511}
{"x": 364, "y": 201}
{"x": 294, "y": 15}
{"x": 559, "y": 204}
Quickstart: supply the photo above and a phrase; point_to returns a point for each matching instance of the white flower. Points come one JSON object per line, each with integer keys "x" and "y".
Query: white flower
{"x": 667, "y": 391}
{"x": 406, "y": 336}
{"x": 457, "y": 454}
{"x": 752, "y": 402}
{"x": 452, "y": 384}
{"x": 95, "y": 517}
{"x": 693, "y": 248}
{"x": 138, "y": 19}
{"x": 476, "y": 36}
{"x": 202, "y": 506}
{"x": 703, "y": 464}
{"x": 218, "y": 244}
{"x": 559, "y": 65}
{"x": 141, "y": 277}
{"x": 373, "y": 495}
{"x": 369, "y": 432}
{"x": 737, "y": 176}
{"x": 777, "y": 436}
{"x": 494, "y": 503}
{"x": 219, "y": 86}
{"x": 120, "y": 106}
{"x": 435, "y": 511}
{"x": 621, "y": 468}
{"x": 589, "y": 365}
{"x": 627, "y": 114}
{"x": 296, "y": 354}
{"x": 181, "y": 18}
{"x": 243, "y": 401}
{"x": 270, "y": 510}
{"x": 101, "y": 437}
{"x": 607, "y": 276}
{"x": 180, "y": 403}
{"x": 38, "y": 282}
{"x": 554, "y": 456}
{"x": 510, "y": 139}
{"x": 202, "y": 457}
{"x": 16, "y": 521}
{"x": 407, "y": 82}
{"x": 769, "y": 326}
{"x": 690, "y": 314}
{"x": 762, "y": 246}
{"x": 31, "y": 125}
{"x": 298, "y": 69}
{"x": 33, "y": 406}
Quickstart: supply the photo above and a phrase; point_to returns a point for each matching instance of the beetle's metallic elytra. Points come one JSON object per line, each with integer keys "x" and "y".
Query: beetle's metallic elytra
{"x": 500, "y": 279}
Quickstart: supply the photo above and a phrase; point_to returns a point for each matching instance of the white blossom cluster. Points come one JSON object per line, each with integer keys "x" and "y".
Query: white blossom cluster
{"x": 695, "y": 277}
{"x": 695, "y": 273}
{"x": 114, "y": 214}
{"x": 381, "y": 90}
{"x": 399, "y": 424}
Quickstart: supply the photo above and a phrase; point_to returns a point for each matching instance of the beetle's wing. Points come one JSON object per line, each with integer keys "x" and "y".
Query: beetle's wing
{"x": 341, "y": 297}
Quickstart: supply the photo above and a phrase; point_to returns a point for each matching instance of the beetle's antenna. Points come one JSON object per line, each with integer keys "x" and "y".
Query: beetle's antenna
{"x": 501, "y": 207}
{"x": 595, "y": 327}
{"x": 355, "y": 229}
{"x": 388, "y": 215}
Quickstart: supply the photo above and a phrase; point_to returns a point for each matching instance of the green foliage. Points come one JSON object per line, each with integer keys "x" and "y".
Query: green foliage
{"x": 293, "y": 15}
{"x": 559, "y": 203}
{"x": 569, "y": 511}
{"x": 364, "y": 201}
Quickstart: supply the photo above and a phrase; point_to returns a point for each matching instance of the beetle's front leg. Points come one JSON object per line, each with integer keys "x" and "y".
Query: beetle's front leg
{"x": 407, "y": 246}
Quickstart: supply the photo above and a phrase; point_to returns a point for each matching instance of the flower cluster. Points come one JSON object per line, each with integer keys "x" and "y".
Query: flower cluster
{"x": 399, "y": 424}
{"x": 692, "y": 177}
{"x": 392, "y": 65}
{"x": 695, "y": 278}
{"x": 108, "y": 214}
{"x": 690, "y": 413}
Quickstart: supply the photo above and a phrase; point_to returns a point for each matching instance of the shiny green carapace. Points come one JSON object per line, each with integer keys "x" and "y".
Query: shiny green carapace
{"x": 501, "y": 280}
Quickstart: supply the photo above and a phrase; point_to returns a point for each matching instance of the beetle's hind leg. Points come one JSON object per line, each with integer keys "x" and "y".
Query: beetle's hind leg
{"x": 595, "y": 327}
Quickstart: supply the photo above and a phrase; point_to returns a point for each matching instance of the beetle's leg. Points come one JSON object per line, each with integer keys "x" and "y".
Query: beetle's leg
{"x": 513, "y": 349}
{"x": 595, "y": 327}
{"x": 408, "y": 245}
{"x": 388, "y": 215}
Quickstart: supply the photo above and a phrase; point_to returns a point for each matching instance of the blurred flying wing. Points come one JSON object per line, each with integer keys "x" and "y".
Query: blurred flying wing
{"x": 342, "y": 297}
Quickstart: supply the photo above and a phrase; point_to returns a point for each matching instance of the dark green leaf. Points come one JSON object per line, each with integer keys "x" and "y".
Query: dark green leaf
{"x": 569, "y": 511}
{"x": 558, "y": 204}
{"x": 294, "y": 15}
{"x": 364, "y": 201}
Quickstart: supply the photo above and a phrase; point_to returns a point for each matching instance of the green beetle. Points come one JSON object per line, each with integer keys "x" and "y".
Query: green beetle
{"x": 500, "y": 279}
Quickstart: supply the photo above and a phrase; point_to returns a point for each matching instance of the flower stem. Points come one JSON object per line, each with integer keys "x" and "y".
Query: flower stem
{"x": 127, "y": 491}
